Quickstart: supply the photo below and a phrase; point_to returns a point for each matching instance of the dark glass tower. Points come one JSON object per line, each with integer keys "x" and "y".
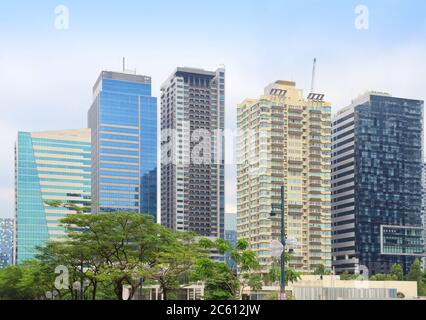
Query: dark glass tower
{"x": 123, "y": 119}
{"x": 377, "y": 183}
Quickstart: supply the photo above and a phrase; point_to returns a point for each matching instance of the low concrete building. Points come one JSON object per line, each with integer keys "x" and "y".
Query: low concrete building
{"x": 312, "y": 287}
{"x": 153, "y": 292}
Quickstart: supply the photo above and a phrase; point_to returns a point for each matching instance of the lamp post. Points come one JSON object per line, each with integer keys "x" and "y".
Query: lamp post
{"x": 280, "y": 207}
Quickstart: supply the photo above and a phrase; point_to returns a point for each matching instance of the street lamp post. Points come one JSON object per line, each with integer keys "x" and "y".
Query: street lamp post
{"x": 283, "y": 238}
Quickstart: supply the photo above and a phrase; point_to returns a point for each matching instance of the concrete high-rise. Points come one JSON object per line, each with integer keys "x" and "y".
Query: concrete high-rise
{"x": 377, "y": 183}
{"x": 49, "y": 166}
{"x": 123, "y": 120}
{"x": 285, "y": 140}
{"x": 192, "y": 151}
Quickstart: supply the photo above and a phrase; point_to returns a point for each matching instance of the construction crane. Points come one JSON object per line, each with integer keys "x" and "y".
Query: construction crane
{"x": 314, "y": 69}
{"x": 312, "y": 96}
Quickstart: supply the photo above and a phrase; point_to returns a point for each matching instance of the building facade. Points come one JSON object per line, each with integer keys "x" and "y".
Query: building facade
{"x": 123, "y": 120}
{"x": 284, "y": 140}
{"x": 49, "y": 166}
{"x": 6, "y": 242}
{"x": 192, "y": 151}
{"x": 377, "y": 183}
{"x": 424, "y": 214}
{"x": 231, "y": 237}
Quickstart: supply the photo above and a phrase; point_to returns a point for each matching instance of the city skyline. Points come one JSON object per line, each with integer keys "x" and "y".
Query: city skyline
{"x": 32, "y": 46}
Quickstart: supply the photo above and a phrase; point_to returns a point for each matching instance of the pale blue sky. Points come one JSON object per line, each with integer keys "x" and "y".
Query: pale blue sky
{"x": 46, "y": 75}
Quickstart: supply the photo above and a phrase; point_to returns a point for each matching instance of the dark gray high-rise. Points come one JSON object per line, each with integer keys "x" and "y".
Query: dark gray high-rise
{"x": 192, "y": 151}
{"x": 377, "y": 184}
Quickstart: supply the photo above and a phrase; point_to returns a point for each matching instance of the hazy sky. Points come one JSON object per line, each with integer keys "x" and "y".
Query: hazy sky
{"x": 46, "y": 74}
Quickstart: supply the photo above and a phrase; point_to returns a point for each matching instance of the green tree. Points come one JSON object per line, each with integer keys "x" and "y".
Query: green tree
{"x": 274, "y": 273}
{"x": 219, "y": 280}
{"x": 104, "y": 253}
{"x": 292, "y": 276}
{"x": 29, "y": 281}
{"x": 175, "y": 264}
{"x": 125, "y": 246}
{"x": 422, "y": 290}
{"x": 415, "y": 274}
{"x": 222, "y": 282}
{"x": 345, "y": 275}
{"x": 397, "y": 272}
{"x": 37, "y": 279}
{"x": 83, "y": 262}
{"x": 319, "y": 270}
{"x": 9, "y": 277}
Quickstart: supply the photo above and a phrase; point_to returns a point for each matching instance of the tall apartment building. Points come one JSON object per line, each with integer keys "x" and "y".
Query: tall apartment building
{"x": 377, "y": 183}
{"x": 192, "y": 151}
{"x": 6, "y": 242}
{"x": 285, "y": 140}
{"x": 49, "y": 166}
{"x": 123, "y": 120}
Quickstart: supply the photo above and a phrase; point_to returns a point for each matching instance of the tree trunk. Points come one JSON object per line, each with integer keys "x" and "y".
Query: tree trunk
{"x": 95, "y": 287}
{"x": 119, "y": 289}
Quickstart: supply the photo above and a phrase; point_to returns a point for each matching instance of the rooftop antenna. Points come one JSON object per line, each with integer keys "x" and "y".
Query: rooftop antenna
{"x": 314, "y": 69}
{"x": 124, "y": 64}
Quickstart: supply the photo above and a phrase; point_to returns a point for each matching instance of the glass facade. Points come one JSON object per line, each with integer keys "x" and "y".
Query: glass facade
{"x": 123, "y": 119}
{"x": 402, "y": 241}
{"x": 388, "y": 176}
{"x": 6, "y": 242}
{"x": 49, "y": 166}
{"x": 377, "y": 181}
{"x": 231, "y": 237}
{"x": 424, "y": 215}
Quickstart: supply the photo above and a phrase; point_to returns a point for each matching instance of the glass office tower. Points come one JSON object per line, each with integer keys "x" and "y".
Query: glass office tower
{"x": 123, "y": 119}
{"x": 49, "y": 166}
{"x": 377, "y": 183}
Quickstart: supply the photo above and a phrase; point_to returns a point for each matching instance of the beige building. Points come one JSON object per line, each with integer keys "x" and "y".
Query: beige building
{"x": 311, "y": 287}
{"x": 285, "y": 140}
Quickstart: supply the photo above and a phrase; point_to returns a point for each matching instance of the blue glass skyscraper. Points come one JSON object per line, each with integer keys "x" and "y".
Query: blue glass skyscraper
{"x": 123, "y": 119}
{"x": 377, "y": 184}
